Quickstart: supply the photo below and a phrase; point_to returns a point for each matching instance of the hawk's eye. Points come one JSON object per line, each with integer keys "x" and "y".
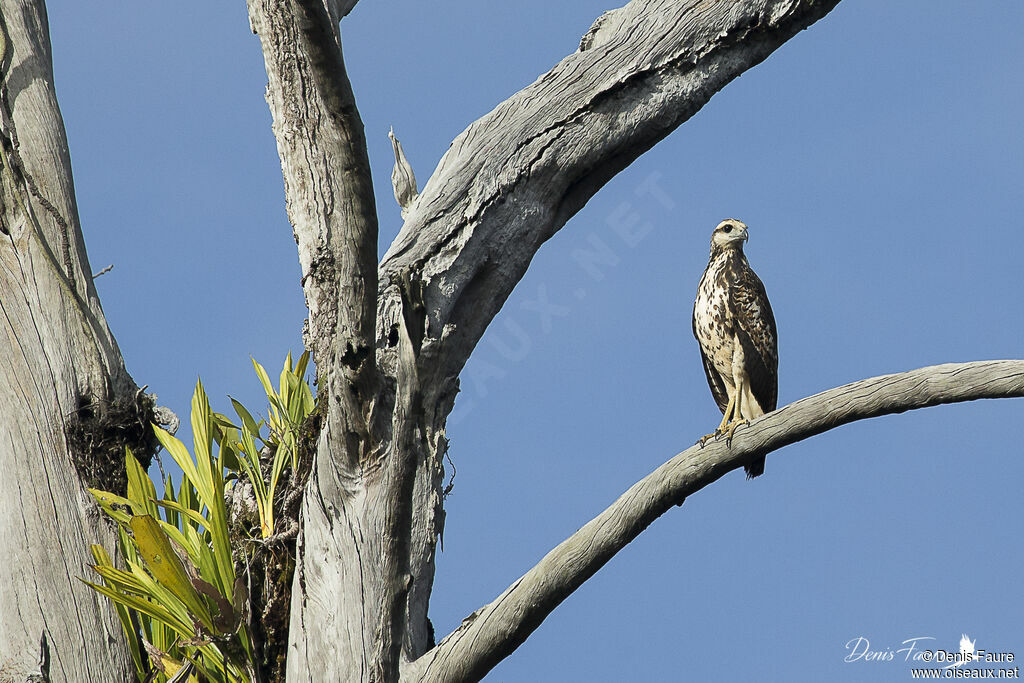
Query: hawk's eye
{"x": 727, "y": 228}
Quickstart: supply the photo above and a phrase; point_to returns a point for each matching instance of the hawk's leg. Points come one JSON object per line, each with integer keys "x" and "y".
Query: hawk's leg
{"x": 731, "y": 419}
{"x": 732, "y": 428}
{"x": 730, "y": 412}
{"x": 746, "y": 407}
{"x": 741, "y": 407}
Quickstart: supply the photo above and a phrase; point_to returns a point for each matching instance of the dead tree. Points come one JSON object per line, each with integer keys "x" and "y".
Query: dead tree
{"x": 389, "y": 338}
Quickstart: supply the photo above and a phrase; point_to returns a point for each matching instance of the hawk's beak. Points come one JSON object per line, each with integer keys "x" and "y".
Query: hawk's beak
{"x": 746, "y": 236}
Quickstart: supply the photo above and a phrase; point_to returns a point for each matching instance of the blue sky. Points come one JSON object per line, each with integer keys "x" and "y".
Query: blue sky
{"x": 878, "y": 159}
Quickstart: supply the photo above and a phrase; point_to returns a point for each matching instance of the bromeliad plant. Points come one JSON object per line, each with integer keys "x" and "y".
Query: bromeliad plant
{"x": 175, "y": 589}
{"x": 289, "y": 407}
{"x": 177, "y": 595}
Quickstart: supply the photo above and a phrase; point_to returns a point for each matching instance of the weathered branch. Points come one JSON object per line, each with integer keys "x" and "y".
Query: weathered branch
{"x": 350, "y": 593}
{"x": 494, "y": 631}
{"x": 330, "y": 199}
{"x": 403, "y": 180}
{"x": 372, "y": 510}
{"x": 514, "y": 177}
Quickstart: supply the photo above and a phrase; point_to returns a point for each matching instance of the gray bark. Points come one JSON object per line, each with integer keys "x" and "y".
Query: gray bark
{"x": 58, "y": 349}
{"x": 389, "y": 339}
{"x": 515, "y": 176}
{"x": 354, "y": 548}
{"x": 372, "y": 511}
{"x": 491, "y": 633}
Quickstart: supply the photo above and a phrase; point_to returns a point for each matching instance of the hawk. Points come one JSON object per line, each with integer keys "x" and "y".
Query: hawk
{"x": 735, "y": 328}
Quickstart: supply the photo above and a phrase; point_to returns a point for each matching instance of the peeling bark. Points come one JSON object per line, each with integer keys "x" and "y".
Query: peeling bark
{"x": 403, "y": 180}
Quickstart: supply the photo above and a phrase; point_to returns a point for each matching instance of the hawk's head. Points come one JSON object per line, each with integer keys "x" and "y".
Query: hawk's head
{"x": 730, "y": 233}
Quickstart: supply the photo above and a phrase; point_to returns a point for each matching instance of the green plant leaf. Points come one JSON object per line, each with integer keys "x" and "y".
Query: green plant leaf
{"x": 178, "y": 452}
{"x": 176, "y": 536}
{"x": 300, "y": 367}
{"x": 143, "y": 606}
{"x": 294, "y": 400}
{"x": 211, "y": 489}
{"x": 247, "y": 420}
{"x": 264, "y": 379}
{"x": 187, "y": 497}
{"x": 124, "y": 615}
{"x": 118, "y": 579}
{"x": 107, "y": 501}
{"x": 172, "y": 517}
{"x": 250, "y": 465}
{"x": 182, "y": 621}
{"x": 286, "y": 372}
{"x": 223, "y": 422}
{"x": 141, "y": 491}
{"x": 166, "y": 567}
{"x": 182, "y": 510}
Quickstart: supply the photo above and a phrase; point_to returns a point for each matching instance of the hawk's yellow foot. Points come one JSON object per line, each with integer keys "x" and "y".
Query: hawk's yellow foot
{"x": 732, "y": 428}
{"x": 730, "y": 413}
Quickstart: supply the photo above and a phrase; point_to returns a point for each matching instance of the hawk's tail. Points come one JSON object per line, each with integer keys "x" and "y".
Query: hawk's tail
{"x": 755, "y": 469}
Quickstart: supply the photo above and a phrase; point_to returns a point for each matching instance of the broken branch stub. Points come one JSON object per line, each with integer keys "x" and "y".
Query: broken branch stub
{"x": 403, "y": 180}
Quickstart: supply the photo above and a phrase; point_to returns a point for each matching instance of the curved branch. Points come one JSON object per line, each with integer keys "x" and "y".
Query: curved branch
{"x": 514, "y": 177}
{"x": 494, "y": 631}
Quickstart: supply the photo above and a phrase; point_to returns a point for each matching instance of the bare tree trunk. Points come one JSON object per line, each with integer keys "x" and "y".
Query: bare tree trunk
{"x": 357, "y": 543}
{"x": 389, "y": 347}
{"x": 62, "y": 380}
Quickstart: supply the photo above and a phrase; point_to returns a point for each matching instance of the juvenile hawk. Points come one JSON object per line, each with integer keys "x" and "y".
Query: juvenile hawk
{"x": 735, "y": 328}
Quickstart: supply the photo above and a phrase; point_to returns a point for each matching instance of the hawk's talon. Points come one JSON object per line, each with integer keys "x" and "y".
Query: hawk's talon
{"x": 708, "y": 437}
{"x": 732, "y": 428}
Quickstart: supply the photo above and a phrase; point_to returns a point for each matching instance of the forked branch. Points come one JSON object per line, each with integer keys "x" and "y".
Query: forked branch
{"x": 494, "y": 631}
{"x": 515, "y": 176}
